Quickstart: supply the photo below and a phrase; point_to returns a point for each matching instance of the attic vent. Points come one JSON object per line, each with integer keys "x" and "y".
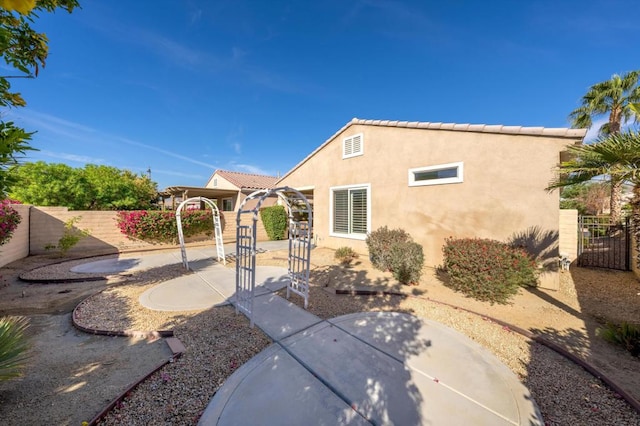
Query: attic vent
{"x": 352, "y": 146}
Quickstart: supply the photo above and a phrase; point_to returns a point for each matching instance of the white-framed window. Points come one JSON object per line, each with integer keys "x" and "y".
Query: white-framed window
{"x": 350, "y": 211}
{"x": 215, "y": 182}
{"x": 227, "y": 204}
{"x": 353, "y": 146}
{"x": 437, "y": 175}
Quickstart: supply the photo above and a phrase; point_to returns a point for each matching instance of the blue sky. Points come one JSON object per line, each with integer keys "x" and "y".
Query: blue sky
{"x": 188, "y": 87}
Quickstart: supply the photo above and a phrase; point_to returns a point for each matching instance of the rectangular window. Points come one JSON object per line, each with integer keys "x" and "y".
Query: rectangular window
{"x": 350, "y": 211}
{"x": 436, "y": 175}
{"x": 352, "y": 146}
{"x": 227, "y": 205}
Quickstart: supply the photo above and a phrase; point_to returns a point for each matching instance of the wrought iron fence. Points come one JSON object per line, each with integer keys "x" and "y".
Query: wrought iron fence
{"x": 602, "y": 244}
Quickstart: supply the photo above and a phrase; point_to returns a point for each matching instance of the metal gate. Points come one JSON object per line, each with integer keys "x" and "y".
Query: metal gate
{"x": 602, "y": 244}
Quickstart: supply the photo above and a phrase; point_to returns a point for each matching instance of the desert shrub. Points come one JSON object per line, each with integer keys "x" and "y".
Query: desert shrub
{"x": 13, "y": 346}
{"x": 70, "y": 237}
{"x": 625, "y": 335}
{"x": 161, "y": 227}
{"x": 406, "y": 260}
{"x": 274, "y": 220}
{"x": 487, "y": 270}
{"x": 345, "y": 255}
{"x": 380, "y": 242}
{"x": 9, "y": 220}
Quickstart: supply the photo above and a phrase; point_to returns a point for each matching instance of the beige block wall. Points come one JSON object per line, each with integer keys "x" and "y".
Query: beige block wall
{"x": 47, "y": 226}
{"x": 18, "y": 245}
{"x": 569, "y": 233}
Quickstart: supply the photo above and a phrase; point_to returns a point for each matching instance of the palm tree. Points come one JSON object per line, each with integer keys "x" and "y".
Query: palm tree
{"x": 619, "y": 97}
{"x": 616, "y": 155}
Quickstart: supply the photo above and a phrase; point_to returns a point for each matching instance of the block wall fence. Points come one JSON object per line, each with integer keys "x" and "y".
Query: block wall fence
{"x": 43, "y": 226}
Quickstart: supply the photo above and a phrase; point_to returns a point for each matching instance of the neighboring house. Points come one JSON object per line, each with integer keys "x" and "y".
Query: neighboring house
{"x": 228, "y": 189}
{"x": 436, "y": 181}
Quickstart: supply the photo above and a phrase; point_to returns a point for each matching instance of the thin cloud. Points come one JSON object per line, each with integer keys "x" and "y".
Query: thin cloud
{"x": 164, "y": 151}
{"x": 247, "y": 168}
{"x": 73, "y": 157}
{"x": 90, "y": 136}
{"x": 53, "y": 124}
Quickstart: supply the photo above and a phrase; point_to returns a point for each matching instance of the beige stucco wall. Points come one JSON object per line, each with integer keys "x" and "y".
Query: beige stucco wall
{"x": 18, "y": 245}
{"x": 502, "y": 194}
{"x": 222, "y": 183}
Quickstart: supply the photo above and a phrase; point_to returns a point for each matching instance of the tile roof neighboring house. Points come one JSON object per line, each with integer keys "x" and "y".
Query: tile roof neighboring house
{"x": 575, "y": 134}
{"x": 248, "y": 180}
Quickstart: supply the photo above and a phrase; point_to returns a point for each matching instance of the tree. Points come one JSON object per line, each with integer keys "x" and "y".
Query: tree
{"x": 619, "y": 97}
{"x": 589, "y": 198}
{"x": 115, "y": 189}
{"x": 24, "y": 51}
{"x": 616, "y": 155}
{"x": 90, "y": 188}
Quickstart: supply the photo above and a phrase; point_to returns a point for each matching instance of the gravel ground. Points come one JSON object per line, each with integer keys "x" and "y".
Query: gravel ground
{"x": 218, "y": 341}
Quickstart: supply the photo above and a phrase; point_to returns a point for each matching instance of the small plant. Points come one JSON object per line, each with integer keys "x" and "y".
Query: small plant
{"x": 345, "y": 255}
{"x": 406, "y": 261}
{"x": 380, "y": 242}
{"x": 9, "y": 220}
{"x": 625, "y": 335}
{"x": 13, "y": 346}
{"x": 70, "y": 237}
{"x": 274, "y": 220}
{"x": 487, "y": 270}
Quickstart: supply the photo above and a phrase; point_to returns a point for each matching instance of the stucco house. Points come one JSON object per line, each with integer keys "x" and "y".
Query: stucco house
{"x": 228, "y": 189}
{"x": 436, "y": 180}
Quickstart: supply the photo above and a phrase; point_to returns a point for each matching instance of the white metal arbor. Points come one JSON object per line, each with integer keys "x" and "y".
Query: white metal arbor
{"x": 300, "y": 226}
{"x": 217, "y": 229}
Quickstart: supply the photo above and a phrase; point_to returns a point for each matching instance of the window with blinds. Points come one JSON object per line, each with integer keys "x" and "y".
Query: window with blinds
{"x": 350, "y": 211}
{"x": 352, "y": 146}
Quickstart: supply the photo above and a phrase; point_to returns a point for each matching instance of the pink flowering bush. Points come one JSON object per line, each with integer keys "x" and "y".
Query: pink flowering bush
{"x": 9, "y": 220}
{"x": 160, "y": 227}
{"x": 487, "y": 270}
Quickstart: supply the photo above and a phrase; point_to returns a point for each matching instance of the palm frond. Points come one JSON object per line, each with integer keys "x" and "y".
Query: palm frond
{"x": 616, "y": 156}
{"x": 13, "y": 346}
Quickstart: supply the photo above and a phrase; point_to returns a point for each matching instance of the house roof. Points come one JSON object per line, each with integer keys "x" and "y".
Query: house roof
{"x": 248, "y": 180}
{"x": 561, "y": 132}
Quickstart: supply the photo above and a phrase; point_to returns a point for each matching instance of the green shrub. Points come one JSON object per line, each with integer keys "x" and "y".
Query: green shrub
{"x": 625, "y": 335}
{"x": 274, "y": 220}
{"x": 406, "y": 260}
{"x": 70, "y": 237}
{"x": 161, "y": 227}
{"x": 13, "y": 346}
{"x": 345, "y": 255}
{"x": 487, "y": 270}
{"x": 380, "y": 242}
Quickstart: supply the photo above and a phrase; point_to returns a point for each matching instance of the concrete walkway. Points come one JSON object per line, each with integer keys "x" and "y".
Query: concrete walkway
{"x": 364, "y": 368}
